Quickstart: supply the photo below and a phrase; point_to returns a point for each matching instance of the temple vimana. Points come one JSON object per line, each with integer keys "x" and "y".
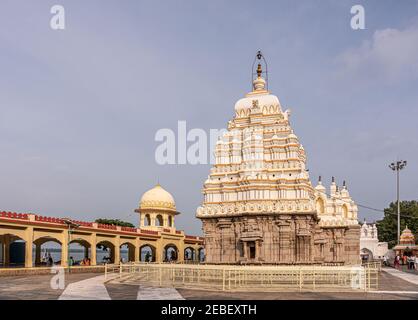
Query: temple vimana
{"x": 259, "y": 204}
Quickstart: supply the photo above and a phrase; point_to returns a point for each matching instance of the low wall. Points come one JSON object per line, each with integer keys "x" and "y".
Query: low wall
{"x": 4, "y": 272}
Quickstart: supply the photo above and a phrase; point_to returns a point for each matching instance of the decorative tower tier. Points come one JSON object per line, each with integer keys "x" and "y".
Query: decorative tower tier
{"x": 259, "y": 204}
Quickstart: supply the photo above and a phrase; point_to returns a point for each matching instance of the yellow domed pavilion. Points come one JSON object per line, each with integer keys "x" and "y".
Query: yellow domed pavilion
{"x": 157, "y": 209}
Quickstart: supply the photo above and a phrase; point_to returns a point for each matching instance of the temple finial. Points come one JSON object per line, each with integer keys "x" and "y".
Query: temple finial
{"x": 259, "y": 83}
{"x": 259, "y": 70}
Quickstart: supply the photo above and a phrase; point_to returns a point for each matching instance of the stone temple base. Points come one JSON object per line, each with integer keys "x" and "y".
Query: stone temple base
{"x": 279, "y": 239}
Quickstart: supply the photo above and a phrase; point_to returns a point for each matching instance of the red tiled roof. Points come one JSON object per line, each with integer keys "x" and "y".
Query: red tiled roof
{"x": 14, "y": 215}
{"x": 106, "y": 226}
{"x": 149, "y": 231}
{"x": 130, "y": 229}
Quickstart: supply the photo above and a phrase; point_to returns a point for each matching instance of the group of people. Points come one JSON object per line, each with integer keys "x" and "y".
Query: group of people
{"x": 410, "y": 261}
{"x": 85, "y": 262}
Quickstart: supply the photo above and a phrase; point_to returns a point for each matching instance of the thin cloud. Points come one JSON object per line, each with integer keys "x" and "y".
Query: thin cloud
{"x": 391, "y": 54}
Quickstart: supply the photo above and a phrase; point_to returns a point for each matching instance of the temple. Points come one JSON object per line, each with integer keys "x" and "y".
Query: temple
{"x": 259, "y": 205}
{"x": 370, "y": 246}
{"x": 406, "y": 244}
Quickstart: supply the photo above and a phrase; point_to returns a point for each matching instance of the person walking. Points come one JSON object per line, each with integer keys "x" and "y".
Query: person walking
{"x": 412, "y": 260}
{"x": 396, "y": 262}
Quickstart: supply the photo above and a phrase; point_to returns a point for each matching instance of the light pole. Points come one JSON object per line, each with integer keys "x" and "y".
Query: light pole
{"x": 71, "y": 225}
{"x": 398, "y": 166}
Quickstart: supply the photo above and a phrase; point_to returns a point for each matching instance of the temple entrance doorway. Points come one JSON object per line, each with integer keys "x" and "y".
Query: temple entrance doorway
{"x": 366, "y": 255}
{"x": 251, "y": 248}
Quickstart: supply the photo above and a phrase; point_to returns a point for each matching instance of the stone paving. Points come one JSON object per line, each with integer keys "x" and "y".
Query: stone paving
{"x": 86, "y": 289}
{"x": 150, "y": 293}
{"x": 407, "y": 276}
{"x": 91, "y": 286}
{"x": 35, "y": 287}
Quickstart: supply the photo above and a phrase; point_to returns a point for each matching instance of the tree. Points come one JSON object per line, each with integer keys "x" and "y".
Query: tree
{"x": 115, "y": 222}
{"x": 388, "y": 227}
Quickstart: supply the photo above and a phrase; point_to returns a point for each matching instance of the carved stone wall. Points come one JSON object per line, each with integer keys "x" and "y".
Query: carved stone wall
{"x": 279, "y": 239}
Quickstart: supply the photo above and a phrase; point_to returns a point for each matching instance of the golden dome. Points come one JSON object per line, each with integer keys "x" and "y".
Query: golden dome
{"x": 407, "y": 237}
{"x": 157, "y": 198}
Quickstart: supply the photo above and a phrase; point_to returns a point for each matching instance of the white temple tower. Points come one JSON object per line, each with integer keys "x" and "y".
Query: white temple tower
{"x": 259, "y": 204}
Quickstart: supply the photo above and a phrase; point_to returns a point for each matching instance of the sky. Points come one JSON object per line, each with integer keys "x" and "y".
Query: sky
{"x": 80, "y": 107}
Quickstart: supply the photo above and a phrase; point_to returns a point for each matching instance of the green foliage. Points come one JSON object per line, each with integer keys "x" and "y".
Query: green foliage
{"x": 388, "y": 226}
{"x": 115, "y": 222}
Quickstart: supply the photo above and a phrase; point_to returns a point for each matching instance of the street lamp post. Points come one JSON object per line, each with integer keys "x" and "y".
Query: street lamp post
{"x": 398, "y": 166}
{"x": 71, "y": 225}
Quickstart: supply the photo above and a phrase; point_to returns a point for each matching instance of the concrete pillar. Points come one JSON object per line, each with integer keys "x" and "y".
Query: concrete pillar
{"x": 93, "y": 249}
{"x": 180, "y": 253}
{"x": 159, "y": 252}
{"x": 172, "y": 221}
{"x": 137, "y": 250}
{"x": 117, "y": 249}
{"x": 28, "y": 247}
{"x": 64, "y": 248}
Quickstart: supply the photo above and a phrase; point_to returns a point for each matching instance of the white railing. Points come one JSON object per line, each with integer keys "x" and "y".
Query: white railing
{"x": 254, "y": 278}
{"x": 375, "y": 264}
{"x": 112, "y": 269}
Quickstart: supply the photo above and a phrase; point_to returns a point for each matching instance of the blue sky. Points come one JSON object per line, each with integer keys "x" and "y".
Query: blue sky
{"x": 79, "y": 108}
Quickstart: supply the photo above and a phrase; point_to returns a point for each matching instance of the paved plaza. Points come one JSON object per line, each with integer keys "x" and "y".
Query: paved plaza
{"x": 393, "y": 284}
